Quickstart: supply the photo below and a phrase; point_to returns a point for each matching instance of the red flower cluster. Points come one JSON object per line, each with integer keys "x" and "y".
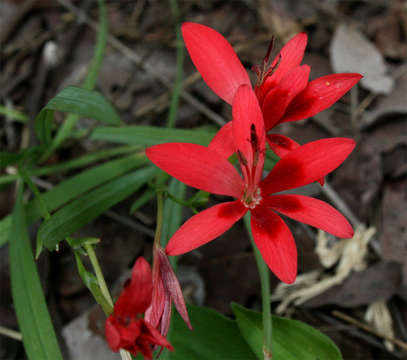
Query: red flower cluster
{"x": 282, "y": 93}
{"x": 282, "y": 86}
{"x": 125, "y": 328}
{"x": 202, "y": 167}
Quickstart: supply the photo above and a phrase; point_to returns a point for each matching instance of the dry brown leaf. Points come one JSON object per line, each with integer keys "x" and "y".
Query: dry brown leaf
{"x": 351, "y": 51}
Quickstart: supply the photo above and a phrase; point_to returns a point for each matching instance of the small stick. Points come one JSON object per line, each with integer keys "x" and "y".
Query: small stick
{"x": 369, "y": 329}
{"x": 11, "y": 333}
{"x": 146, "y": 67}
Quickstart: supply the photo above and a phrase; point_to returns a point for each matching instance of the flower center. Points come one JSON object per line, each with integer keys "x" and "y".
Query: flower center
{"x": 251, "y": 199}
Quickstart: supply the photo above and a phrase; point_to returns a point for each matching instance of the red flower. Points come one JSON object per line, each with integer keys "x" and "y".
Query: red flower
{"x": 203, "y": 168}
{"x": 166, "y": 290}
{"x": 282, "y": 87}
{"x": 125, "y": 328}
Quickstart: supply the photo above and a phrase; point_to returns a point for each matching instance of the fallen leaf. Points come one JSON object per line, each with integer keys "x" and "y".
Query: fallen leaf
{"x": 351, "y": 51}
{"x": 378, "y": 282}
{"x": 393, "y": 236}
{"x": 394, "y": 103}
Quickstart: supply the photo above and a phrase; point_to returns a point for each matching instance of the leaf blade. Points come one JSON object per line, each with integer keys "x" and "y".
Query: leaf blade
{"x": 89, "y": 206}
{"x": 34, "y": 320}
{"x": 75, "y": 186}
{"x": 292, "y": 339}
{"x": 150, "y": 135}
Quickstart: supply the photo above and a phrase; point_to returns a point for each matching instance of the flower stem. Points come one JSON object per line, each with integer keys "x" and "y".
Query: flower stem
{"x": 265, "y": 293}
{"x": 160, "y": 207}
{"x": 98, "y": 272}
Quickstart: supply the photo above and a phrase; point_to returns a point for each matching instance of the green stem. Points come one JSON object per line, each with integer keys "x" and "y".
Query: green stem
{"x": 98, "y": 272}
{"x": 160, "y": 207}
{"x": 265, "y": 293}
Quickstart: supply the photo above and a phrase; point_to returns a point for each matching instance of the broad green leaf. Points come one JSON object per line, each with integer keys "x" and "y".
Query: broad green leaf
{"x": 150, "y": 135}
{"x": 213, "y": 337}
{"x": 78, "y": 101}
{"x": 292, "y": 339}
{"x": 84, "y": 209}
{"x": 73, "y": 187}
{"x": 33, "y": 318}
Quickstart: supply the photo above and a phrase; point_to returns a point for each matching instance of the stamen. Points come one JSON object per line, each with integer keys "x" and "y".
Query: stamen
{"x": 241, "y": 158}
{"x": 269, "y": 50}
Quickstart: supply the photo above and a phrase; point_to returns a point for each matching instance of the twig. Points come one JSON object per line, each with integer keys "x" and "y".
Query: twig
{"x": 146, "y": 67}
{"x": 6, "y": 32}
{"x": 11, "y": 333}
{"x": 340, "y": 326}
{"x": 369, "y": 329}
{"x": 332, "y": 195}
{"x": 130, "y": 223}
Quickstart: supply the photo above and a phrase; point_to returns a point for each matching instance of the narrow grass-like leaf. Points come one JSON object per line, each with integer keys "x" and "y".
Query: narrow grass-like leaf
{"x": 13, "y": 114}
{"x": 67, "y": 128}
{"x": 81, "y": 211}
{"x": 214, "y": 337}
{"x": 73, "y": 164}
{"x": 33, "y": 318}
{"x": 7, "y": 158}
{"x": 150, "y": 135}
{"x": 292, "y": 340}
{"x": 75, "y": 186}
{"x": 79, "y": 101}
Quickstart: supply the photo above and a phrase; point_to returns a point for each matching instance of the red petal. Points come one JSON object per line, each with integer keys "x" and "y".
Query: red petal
{"x": 248, "y": 130}
{"x": 172, "y": 287}
{"x": 319, "y": 95}
{"x": 276, "y": 243}
{"x": 154, "y": 337}
{"x": 197, "y": 166}
{"x": 135, "y": 297}
{"x": 312, "y": 212}
{"x": 290, "y": 57}
{"x": 277, "y": 99}
{"x": 280, "y": 144}
{"x": 223, "y": 141}
{"x": 204, "y": 227}
{"x": 154, "y": 313}
{"x": 307, "y": 164}
{"x": 215, "y": 59}
{"x": 112, "y": 334}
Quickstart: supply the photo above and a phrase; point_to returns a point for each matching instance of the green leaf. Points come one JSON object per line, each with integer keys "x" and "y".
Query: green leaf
{"x": 67, "y": 128}
{"x": 7, "y": 158}
{"x": 13, "y": 114}
{"x": 292, "y": 339}
{"x": 73, "y": 187}
{"x": 213, "y": 337}
{"x": 150, "y": 135}
{"x": 92, "y": 284}
{"x": 78, "y": 101}
{"x": 72, "y": 164}
{"x": 81, "y": 211}
{"x": 33, "y": 318}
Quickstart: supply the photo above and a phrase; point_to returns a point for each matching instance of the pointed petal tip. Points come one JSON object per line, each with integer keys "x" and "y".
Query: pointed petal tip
{"x": 289, "y": 278}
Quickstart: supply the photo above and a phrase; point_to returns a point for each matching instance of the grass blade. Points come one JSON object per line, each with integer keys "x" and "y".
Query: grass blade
{"x": 73, "y": 187}
{"x": 33, "y": 318}
{"x": 89, "y": 206}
